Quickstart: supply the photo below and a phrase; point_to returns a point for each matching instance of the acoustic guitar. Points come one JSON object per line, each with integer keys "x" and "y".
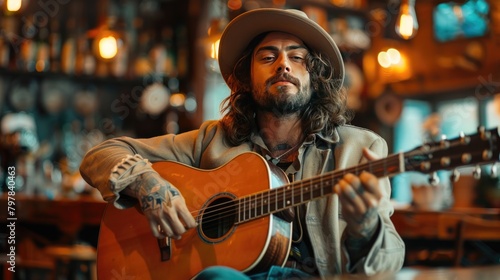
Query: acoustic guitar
{"x": 235, "y": 204}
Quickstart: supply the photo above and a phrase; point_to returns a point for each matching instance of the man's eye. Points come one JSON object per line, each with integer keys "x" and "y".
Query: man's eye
{"x": 297, "y": 58}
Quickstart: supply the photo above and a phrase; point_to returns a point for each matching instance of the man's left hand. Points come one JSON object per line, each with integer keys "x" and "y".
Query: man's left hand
{"x": 360, "y": 197}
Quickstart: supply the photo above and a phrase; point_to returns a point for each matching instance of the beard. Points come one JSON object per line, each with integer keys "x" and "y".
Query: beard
{"x": 282, "y": 102}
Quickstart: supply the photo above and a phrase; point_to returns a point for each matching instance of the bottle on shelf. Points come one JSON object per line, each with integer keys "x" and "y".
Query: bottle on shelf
{"x": 55, "y": 45}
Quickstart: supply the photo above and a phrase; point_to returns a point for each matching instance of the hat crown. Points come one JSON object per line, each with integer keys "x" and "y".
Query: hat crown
{"x": 245, "y": 27}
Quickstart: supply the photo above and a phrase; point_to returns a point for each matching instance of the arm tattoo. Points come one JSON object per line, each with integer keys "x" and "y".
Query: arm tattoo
{"x": 152, "y": 201}
{"x": 173, "y": 191}
{"x": 148, "y": 189}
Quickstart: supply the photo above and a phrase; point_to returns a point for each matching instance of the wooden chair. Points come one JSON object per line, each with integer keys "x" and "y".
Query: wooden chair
{"x": 477, "y": 231}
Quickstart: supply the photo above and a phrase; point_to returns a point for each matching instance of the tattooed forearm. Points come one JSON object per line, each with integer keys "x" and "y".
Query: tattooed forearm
{"x": 153, "y": 200}
{"x": 151, "y": 191}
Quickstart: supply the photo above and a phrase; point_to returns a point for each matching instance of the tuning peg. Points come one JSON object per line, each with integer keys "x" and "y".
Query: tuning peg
{"x": 485, "y": 135}
{"x": 444, "y": 143}
{"x": 477, "y": 172}
{"x": 494, "y": 172}
{"x": 455, "y": 175}
{"x": 433, "y": 179}
{"x": 464, "y": 139}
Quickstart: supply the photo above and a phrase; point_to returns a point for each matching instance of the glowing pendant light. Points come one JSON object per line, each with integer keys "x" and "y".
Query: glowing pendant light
{"x": 406, "y": 22}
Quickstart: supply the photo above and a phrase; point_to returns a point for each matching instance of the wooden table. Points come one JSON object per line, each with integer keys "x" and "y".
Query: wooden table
{"x": 432, "y": 224}
{"x": 431, "y": 236}
{"x": 69, "y": 215}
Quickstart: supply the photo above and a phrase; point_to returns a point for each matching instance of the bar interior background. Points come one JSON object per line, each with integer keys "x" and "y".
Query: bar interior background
{"x": 74, "y": 73}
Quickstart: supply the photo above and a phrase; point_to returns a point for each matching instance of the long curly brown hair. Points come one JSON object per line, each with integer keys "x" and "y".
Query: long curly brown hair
{"x": 326, "y": 109}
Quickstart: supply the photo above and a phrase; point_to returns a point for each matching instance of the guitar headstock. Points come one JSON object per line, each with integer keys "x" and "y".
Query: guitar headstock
{"x": 480, "y": 148}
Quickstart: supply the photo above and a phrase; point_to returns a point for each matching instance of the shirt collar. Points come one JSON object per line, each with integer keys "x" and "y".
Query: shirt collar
{"x": 311, "y": 139}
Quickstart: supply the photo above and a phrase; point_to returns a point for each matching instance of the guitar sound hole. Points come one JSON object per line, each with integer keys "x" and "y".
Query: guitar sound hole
{"x": 218, "y": 218}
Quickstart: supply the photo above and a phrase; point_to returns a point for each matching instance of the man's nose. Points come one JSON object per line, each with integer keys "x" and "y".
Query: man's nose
{"x": 283, "y": 64}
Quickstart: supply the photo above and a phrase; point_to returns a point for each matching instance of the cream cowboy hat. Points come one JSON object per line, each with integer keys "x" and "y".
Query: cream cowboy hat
{"x": 242, "y": 29}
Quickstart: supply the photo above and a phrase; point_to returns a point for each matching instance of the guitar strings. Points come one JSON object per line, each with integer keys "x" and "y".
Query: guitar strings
{"x": 286, "y": 193}
{"x": 250, "y": 207}
{"x": 278, "y": 192}
{"x": 378, "y": 167}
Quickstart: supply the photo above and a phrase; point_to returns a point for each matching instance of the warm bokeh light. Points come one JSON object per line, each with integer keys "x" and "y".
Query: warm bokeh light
{"x": 108, "y": 47}
{"x": 390, "y": 58}
{"x": 234, "y": 4}
{"x": 340, "y": 3}
{"x": 177, "y": 99}
{"x": 394, "y": 56}
{"x": 384, "y": 60}
{"x": 13, "y": 5}
{"x": 395, "y": 65}
{"x": 406, "y": 26}
{"x": 406, "y": 22}
{"x": 214, "y": 49}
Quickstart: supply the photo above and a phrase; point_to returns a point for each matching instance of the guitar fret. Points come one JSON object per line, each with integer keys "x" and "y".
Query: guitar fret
{"x": 245, "y": 211}
{"x": 322, "y": 193}
{"x": 276, "y": 207}
{"x": 244, "y": 208}
{"x": 297, "y": 196}
{"x": 240, "y": 212}
{"x": 281, "y": 199}
{"x": 265, "y": 201}
{"x": 285, "y": 200}
{"x": 301, "y": 193}
{"x": 258, "y": 202}
{"x": 251, "y": 206}
{"x": 271, "y": 204}
{"x": 247, "y": 208}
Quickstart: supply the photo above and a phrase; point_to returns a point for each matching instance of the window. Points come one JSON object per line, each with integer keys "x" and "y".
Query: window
{"x": 469, "y": 20}
{"x": 409, "y": 133}
{"x": 419, "y": 123}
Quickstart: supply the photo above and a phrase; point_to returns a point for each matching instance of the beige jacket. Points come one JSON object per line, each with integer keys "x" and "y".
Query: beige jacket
{"x": 205, "y": 148}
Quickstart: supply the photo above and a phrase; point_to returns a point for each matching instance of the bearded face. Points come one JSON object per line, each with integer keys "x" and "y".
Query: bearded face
{"x": 280, "y": 80}
{"x": 281, "y": 98}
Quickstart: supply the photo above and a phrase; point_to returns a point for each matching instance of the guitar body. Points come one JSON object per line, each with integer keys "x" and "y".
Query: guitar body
{"x": 128, "y": 250}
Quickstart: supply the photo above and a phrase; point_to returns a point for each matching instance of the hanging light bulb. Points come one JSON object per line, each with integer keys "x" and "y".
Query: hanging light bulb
{"x": 406, "y": 22}
{"x": 108, "y": 46}
{"x": 13, "y": 5}
{"x": 107, "y": 40}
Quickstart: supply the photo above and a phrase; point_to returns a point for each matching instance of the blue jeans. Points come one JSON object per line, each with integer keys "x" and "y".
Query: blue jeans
{"x": 274, "y": 273}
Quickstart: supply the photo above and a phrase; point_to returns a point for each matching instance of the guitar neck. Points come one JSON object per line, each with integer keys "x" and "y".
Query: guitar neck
{"x": 480, "y": 148}
{"x": 299, "y": 192}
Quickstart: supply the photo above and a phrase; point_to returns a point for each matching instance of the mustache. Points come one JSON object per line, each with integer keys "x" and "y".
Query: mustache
{"x": 283, "y": 77}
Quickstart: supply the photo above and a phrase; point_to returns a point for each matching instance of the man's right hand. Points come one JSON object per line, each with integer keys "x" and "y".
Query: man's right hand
{"x": 163, "y": 206}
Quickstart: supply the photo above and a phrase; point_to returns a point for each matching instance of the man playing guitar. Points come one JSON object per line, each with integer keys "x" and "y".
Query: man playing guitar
{"x": 286, "y": 117}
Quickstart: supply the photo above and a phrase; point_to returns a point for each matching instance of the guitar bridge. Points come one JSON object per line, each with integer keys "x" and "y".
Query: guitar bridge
{"x": 165, "y": 249}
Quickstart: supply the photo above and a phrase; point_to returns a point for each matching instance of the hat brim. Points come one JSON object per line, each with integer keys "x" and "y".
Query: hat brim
{"x": 242, "y": 29}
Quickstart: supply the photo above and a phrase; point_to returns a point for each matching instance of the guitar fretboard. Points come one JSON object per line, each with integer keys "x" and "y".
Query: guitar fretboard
{"x": 274, "y": 200}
